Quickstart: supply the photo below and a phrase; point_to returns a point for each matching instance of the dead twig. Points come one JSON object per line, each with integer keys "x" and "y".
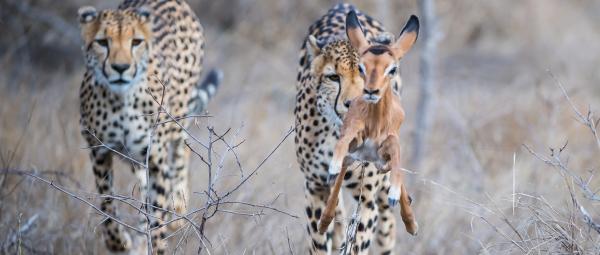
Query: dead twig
{"x": 588, "y": 119}
{"x": 15, "y": 238}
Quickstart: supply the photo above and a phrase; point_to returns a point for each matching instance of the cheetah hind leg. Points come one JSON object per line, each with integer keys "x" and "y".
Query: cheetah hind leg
{"x": 339, "y": 227}
{"x": 386, "y": 225}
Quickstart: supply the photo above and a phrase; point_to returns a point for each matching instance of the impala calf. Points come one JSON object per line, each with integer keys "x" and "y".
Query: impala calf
{"x": 370, "y": 130}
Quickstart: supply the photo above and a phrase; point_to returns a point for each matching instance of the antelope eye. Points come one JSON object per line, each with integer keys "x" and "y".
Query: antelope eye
{"x": 136, "y": 42}
{"x": 333, "y": 77}
{"x": 102, "y": 42}
{"x": 393, "y": 71}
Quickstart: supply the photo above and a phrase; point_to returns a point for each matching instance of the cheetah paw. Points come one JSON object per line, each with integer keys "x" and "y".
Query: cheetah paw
{"x": 180, "y": 207}
{"x": 117, "y": 245}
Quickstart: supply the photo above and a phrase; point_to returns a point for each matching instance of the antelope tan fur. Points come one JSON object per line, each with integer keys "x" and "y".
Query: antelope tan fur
{"x": 370, "y": 130}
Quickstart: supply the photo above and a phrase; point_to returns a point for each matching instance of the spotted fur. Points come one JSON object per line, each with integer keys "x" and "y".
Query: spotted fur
{"x": 142, "y": 55}
{"x": 318, "y": 115}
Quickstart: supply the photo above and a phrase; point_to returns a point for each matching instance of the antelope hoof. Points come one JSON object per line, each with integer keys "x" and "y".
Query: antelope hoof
{"x": 324, "y": 222}
{"x": 331, "y": 178}
{"x": 393, "y": 201}
{"x": 334, "y": 170}
{"x": 393, "y": 196}
{"x": 383, "y": 170}
{"x": 413, "y": 228}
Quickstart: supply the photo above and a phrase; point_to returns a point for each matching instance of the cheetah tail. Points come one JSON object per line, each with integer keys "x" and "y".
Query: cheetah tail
{"x": 206, "y": 90}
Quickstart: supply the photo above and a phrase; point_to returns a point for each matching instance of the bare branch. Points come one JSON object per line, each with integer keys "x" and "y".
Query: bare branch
{"x": 23, "y": 229}
{"x": 588, "y": 119}
{"x": 71, "y": 194}
{"x": 556, "y": 162}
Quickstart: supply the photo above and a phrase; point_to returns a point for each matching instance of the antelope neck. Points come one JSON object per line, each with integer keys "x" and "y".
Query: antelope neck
{"x": 378, "y": 115}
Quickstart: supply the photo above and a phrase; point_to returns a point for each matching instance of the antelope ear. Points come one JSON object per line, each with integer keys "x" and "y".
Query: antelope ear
{"x": 143, "y": 14}
{"x": 407, "y": 37}
{"x": 355, "y": 33}
{"x": 314, "y": 46}
{"x": 87, "y": 14}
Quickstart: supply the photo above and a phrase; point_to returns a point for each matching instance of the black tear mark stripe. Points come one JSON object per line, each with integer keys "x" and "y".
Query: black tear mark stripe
{"x": 105, "y": 61}
{"x": 337, "y": 96}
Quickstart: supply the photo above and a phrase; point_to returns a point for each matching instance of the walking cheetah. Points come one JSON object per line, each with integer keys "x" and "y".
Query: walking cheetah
{"x": 142, "y": 55}
{"x": 329, "y": 77}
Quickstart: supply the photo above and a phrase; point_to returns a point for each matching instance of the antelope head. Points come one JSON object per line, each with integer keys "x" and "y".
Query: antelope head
{"x": 379, "y": 63}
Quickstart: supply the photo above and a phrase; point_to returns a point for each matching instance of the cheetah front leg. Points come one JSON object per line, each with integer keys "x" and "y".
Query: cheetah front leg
{"x": 386, "y": 225}
{"x": 178, "y": 176}
{"x": 116, "y": 238}
{"x": 339, "y": 227}
{"x": 365, "y": 194}
{"x": 332, "y": 202}
{"x": 316, "y": 198}
{"x": 158, "y": 200}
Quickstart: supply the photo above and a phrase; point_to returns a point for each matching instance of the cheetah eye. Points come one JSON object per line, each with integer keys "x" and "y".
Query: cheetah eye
{"x": 102, "y": 42}
{"x": 333, "y": 77}
{"x": 136, "y": 42}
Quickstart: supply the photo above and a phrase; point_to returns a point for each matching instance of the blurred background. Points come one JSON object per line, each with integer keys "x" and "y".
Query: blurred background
{"x": 477, "y": 189}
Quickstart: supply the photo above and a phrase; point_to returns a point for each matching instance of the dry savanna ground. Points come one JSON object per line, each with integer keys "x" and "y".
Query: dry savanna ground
{"x": 479, "y": 190}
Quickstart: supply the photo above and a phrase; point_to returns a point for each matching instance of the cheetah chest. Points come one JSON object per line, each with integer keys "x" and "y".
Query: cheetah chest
{"x": 122, "y": 122}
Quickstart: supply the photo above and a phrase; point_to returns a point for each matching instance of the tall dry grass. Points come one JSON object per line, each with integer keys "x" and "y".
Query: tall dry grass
{"x": 494, "y": 95}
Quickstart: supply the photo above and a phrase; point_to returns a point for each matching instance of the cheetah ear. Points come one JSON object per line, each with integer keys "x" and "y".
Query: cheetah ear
{"x": 314, "y": 46}
{"x": 88, "y": 17}
{"x": 143, "y": 13}
{"x": 407, "y": 37}
{"x": 87, "y": 14}
{"x": 355, "y": 32}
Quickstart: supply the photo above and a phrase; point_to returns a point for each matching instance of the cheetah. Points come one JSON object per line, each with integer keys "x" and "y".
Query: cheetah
{"x": 143, "y": 65}
{"x": 329, "y": 77}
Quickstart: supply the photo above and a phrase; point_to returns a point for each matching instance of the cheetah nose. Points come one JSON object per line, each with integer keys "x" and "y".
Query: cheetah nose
{"x": 371, "y": 92}
{"x": 347, "y": 103}
{"x": 120, "y": 67}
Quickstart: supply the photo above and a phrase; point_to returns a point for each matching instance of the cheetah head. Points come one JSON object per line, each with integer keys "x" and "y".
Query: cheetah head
{"x": 336, "y": 71}
{"x": 116, "y": 45}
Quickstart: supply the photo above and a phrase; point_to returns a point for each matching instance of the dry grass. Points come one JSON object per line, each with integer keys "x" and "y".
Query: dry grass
{"x": 494, "y": 95}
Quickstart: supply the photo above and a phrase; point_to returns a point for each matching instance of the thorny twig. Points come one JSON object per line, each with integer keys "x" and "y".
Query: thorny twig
{"x": 215, "y": 202}
{"x": 211, "y": 203}
{"x": 89, "y": 204}
{"x": 554, "y": 159}
{"x": 588, "y": 119}
{"x": 352, "y": 228}
{"x": 287, "y": 234}
{"x": 23, "y": 229}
